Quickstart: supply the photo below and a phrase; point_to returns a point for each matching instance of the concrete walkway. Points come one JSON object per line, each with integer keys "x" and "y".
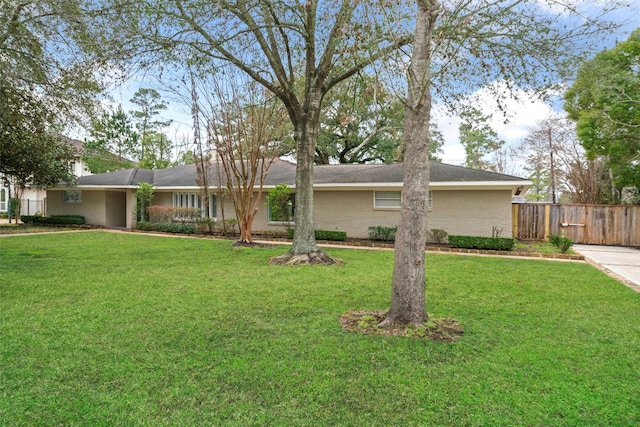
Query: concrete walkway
{"x": 623, "y": 264}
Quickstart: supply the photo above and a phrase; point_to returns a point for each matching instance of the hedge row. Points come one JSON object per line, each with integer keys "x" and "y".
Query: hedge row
{"x": 489, "y": 243}
{"x": 166, "y": 227}
{"x": 324, "y": 234}
{"x": 53, "y": 219}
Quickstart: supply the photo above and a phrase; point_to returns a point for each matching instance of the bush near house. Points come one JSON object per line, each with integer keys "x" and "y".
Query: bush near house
{"x": 324, "y": 234}
{"x": 489, "y": 243}
{"x": 53, "y": 219}
{"x": 166, "y": 227}
{"x": 438, "y": 235}
{"x": 160, "y": 213}
{"x": 380, "y": 232}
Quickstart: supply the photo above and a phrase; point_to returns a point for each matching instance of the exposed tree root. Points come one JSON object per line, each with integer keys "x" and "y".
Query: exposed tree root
{"x": 312, "y": 258}
{"x": 372, "y": 323}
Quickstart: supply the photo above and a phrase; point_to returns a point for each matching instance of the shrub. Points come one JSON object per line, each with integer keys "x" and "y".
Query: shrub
{"x": 565, "y": 244}
{"x": 166, "y": 227}
{"x": 185, "y": 215}
{"x": 561, "y": 242}
{"x": 144, "y": 196}
{"x": 161, "y": 213}
{"x": 230, "y": 225}
{"x": 278, "y": 201}
{"x": 489, "y": 243}
{"x": 53, "y": 219}
{"x": 331, "y": 235}
{"x": 438, "y": 235}
{"x": 324, "y": 234}
{"x": 380, "y": 232}
{"x": 554, "y": 239}
{"x": 205, "y": 225}
{"x": 14, "y": 207}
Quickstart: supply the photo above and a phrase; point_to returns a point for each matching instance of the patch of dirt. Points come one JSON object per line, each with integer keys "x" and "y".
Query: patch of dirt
{"x": 367, "y": 323}
{"x": 240, "y": 244}
{"x": 312, "y": 258}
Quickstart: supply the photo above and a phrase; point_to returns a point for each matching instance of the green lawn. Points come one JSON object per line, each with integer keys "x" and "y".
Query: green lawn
{"x": 119, "y": 329}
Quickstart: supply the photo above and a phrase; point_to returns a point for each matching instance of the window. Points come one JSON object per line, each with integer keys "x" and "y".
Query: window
{"x": 3, "y": 199}
{"x": 387, "y": 199}
{"x": 291, "y": 209}
{"x": 193, "y": 200}
{"x": 393, "y": 199}
{"x": 72, "y": 196}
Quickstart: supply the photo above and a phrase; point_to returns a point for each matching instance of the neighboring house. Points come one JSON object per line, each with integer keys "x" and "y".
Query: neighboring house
{"x": 347, "y": 197}
{"x": 34, "y": 197}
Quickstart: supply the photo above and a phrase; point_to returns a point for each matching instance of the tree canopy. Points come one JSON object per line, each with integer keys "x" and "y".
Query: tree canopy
{"x": 604, "y": 100}
{"x": 47, "y": 79}
{"x": 29, "y": 153}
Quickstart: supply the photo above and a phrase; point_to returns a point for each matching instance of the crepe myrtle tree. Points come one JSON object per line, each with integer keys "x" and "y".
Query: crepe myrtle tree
{"x": 246, "y": 127}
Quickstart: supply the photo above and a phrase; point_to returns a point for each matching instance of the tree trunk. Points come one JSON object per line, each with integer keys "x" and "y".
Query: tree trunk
{"x": 408, "y": 294}
{"x": 246, "y": 229}
{"x": 306, "y": 133}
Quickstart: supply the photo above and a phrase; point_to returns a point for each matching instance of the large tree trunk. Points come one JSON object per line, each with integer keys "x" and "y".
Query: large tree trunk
{"x": 306, "y": 133}
{"x": 408, "y": 294}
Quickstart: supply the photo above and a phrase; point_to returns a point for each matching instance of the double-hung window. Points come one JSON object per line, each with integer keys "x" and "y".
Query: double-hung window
{"x": 392, "y": 200}
{"x": 387, "y": 199}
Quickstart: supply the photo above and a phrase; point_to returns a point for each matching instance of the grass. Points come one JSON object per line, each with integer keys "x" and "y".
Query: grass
{"x": 118, "y": 329}
{"x": 537, "y": 246}
{"x": 23, "y": 228}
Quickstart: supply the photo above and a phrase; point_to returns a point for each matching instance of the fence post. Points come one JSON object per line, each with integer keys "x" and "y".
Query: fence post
{"x": 514, "y": 220}
{"x": 547, "y": 221}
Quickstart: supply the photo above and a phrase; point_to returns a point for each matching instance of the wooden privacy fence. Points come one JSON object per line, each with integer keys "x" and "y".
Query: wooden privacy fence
{"x": 589, "y": 224}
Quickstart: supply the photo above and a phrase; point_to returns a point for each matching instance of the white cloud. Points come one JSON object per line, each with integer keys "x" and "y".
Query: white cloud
{"x": 522, "y": 111}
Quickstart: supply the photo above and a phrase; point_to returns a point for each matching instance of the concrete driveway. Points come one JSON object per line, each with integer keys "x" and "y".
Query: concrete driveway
{"x": 619, "y": 262}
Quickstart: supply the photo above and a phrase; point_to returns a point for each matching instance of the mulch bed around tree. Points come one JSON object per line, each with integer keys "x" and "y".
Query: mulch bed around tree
{"x": 436, "y": 329}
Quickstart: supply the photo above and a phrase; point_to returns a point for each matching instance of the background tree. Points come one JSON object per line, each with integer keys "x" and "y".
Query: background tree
{"x": 534, "y": 150}
{"x": 298, "y": 51}
{"x": 155, "y": 147}
{"x": 557, "y": 163}
{"x": 584, "y": 180}
{"x": 479, "y": 139}
{"x": 113, "y": 143}
{"x": 361, "y": 123}
{"x": 604, "y": 100}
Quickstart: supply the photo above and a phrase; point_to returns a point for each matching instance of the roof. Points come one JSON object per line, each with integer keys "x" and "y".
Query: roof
{"x": 283, "y": 172}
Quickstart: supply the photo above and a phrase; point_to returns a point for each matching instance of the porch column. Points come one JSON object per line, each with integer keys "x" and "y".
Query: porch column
{"x": 131, "y": 207}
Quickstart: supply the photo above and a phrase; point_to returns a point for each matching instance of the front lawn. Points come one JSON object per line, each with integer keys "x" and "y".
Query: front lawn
{"x": 118, "y": 329}
{"x": 24, "y": 228}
